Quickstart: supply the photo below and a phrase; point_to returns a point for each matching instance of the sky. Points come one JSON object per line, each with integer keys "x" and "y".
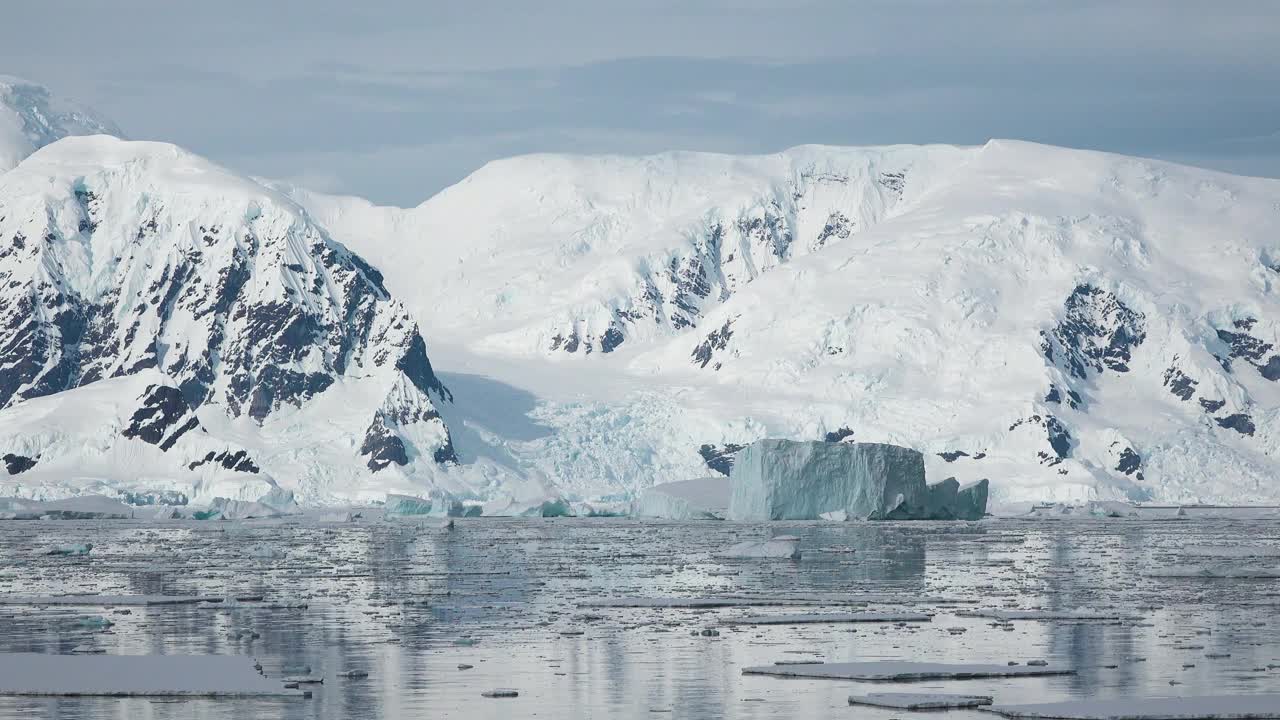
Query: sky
{"x": 394, "y": 100}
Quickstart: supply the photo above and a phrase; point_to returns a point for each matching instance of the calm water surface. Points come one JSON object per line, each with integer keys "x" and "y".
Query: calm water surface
{"x": 408, "y": 603}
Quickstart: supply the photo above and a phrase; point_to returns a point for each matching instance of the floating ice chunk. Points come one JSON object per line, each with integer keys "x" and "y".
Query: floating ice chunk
{"x": 920, "y": 701}
{"x": 782, "y": 547}
{"x": 227, "y": 509}
{"x": 84, "y": 507}
{"x": 700, "y": 499}
{"x": 834, "y": 516}
{"x": 438, "y": 503}
{"x": 279, "y": 499}
{"x": 134, "y": 675}
{"x": 500, "y": 693}
{"x": 266, "y": 552}
{"x": 817, "y": 618}
{"x": 786, "y": 480}
{"x": 1111, "y": 509}
{"x": 902, "y": 671}
{"x": 550, "y": 509}
{"x": 78, "y": 549}
{"x": 1205, "y": 707}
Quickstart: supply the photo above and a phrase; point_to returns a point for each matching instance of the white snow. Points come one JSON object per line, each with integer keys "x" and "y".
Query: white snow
{"x": 903, "y": 292}
{"x": 919, "y": 327}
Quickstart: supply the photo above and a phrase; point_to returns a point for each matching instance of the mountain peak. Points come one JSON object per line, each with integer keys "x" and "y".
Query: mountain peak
{"x": 31, "y": 116}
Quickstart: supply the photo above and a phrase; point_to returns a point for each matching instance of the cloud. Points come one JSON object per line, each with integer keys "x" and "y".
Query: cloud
{"x": 400, "y": 98}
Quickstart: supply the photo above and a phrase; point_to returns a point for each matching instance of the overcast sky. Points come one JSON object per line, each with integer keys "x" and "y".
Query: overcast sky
{"x": 396, "y": 99}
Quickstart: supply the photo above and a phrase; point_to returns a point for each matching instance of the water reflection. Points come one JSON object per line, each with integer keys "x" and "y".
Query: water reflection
{"x": 408, "y": 603}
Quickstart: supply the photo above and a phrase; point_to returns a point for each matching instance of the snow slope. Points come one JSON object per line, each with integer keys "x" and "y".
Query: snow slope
{"x": 172, "y": 327}
{"x": 32, "y": 117}
{"x": 1070, "y": 324}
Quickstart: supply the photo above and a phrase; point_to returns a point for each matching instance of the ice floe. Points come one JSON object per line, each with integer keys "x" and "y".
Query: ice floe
{"x": 135, "y": 675}
{"x": 900, "y": 671}
{"x": 1205, "y": 707}
{"x": 920, "y": 701}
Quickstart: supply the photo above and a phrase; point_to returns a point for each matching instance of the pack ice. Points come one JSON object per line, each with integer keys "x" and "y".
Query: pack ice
{"x": 787, "y": 480}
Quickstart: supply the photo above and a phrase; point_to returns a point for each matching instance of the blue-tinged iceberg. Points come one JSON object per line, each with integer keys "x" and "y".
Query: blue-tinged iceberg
{"x": 788, "y": 480}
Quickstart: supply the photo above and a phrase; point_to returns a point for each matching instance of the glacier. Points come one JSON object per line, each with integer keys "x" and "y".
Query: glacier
{"x": 1072, "y": 325}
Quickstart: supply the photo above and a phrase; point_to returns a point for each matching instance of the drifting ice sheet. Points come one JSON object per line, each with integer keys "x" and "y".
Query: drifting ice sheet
{"x": 920, "y": 701}
{"x": 1209, "y": 707}
{"x": 892, "y": 671}
{"x": 135, "y": 675}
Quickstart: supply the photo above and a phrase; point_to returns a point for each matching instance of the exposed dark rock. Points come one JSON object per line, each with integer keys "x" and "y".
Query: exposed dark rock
{"x": 769, "y": 230}
{"x": 1243, "y": 345}
{"x": 1179, "y": 384}
{"x": 1097, "y": 333}
{"x": 840, "y": 435}
{"x": 1212, "y": 406}
{"x": 894, "y": 182}
{"x": 720, "y": 457}
{"x": 715, "y": 340}
{"x": 15, "y": 464}
{"x": 838, "y": 226}
{"x": 163, "y": 409}
{"x": 383, "y": 446}
{"x": 1129, "y": 463}
{"x": 238, "y": 461}
{"x": 953, "y": 455}
{"x": 1056, "y": 434}
{"x": 1239, "y": 422}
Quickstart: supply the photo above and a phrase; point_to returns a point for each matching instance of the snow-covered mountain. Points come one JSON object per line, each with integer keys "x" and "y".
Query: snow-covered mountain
{"x": 1069, "y": 324}
{"x": 32, "y": 117}
{"x": 169, "y": 327}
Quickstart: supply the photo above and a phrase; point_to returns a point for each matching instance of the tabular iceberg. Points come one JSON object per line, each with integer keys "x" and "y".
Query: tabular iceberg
{"x": 787, "y": 480}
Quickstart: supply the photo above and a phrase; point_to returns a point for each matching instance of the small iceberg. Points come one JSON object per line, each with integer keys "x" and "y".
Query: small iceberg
{"x": 700, "y": 499}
